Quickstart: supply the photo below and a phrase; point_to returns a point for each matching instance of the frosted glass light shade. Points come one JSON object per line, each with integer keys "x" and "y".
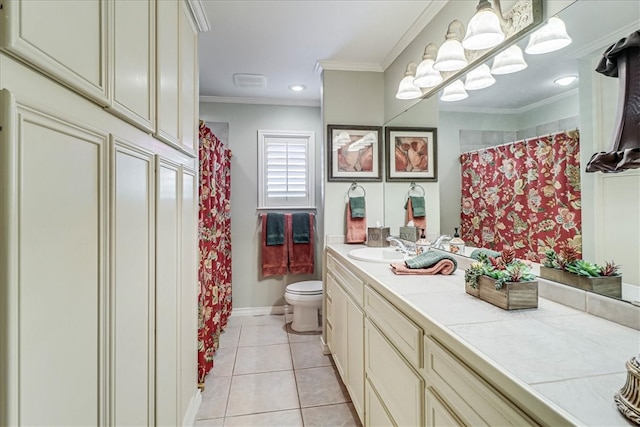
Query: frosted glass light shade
{"x": 483, "y": 31}
{"x": 551, "y": 37}
{"x": 454, "y": 92}
{"x": 426, "y": 75}
{"x": 450, "y": 56}
{"x": 479, "y": 78}
{"x": 509, "y": 61}
{"x": 406, "y": 88}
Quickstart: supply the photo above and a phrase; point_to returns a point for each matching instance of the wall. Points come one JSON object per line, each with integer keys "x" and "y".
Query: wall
{"x": 250, "y": 289}
{"x": 351, "y": 98}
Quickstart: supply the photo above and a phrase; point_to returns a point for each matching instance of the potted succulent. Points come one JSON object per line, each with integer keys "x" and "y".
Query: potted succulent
{"x": 503, "y": 281}
{"x": 565, "y": 267}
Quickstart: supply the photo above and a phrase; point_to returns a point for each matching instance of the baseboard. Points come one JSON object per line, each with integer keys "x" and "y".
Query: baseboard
{"x": 259, "y": 311}
{"x": 325, "y": 347}
{"x": 190, "y": 417}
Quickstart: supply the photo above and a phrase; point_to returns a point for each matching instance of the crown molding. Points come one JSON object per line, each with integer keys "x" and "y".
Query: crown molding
{"x": 347, "y": 66}
{"x": 420, "y": 24}
{"x": 199, "y": 15}
{"x": 605, "y": 41}
{"x": 261, "y": 101}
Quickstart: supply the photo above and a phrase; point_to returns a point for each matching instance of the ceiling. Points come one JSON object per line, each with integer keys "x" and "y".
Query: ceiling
{"x": 288, "y": 40}
{"x": 284, "y": 41}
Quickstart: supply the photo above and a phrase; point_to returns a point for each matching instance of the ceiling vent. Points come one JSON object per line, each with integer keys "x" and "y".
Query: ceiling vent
{"x": 249, "y": 80}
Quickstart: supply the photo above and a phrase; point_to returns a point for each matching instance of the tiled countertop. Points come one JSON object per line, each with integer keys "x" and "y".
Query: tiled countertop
{"x": 553, "y": 359}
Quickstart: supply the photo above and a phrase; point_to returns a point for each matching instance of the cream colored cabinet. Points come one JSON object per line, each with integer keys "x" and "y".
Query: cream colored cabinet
{"x": 64, "y": 39}
{"x": 132, "y": 284}
{"x": 376, "y": 415}
{"x": 469, "y": 397}
{"x": 188, "y": 288}
{"x": 132, "y": 53}
{"x": 168, "y": 72}
{"x": 167, "y": 292}
{"x": 399, "y": 386}
{"x": 189, "y": 81}
{"x": 437, "y": 413}
{"x": 53, "y": 240}
{"x": 346, "y": 337}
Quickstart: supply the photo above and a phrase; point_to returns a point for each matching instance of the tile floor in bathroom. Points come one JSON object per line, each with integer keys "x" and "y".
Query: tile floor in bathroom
{"x": 266, "y": 374}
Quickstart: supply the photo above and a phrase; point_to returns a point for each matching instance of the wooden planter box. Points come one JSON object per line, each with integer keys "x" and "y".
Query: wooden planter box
{"x": 512, "y": 296}
{"x": 606, "y": 285}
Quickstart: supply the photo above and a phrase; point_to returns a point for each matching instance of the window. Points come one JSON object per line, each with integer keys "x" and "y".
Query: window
{"x": 286, "y": 169}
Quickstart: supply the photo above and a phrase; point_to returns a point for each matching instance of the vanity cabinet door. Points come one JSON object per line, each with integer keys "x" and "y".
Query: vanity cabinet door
{"x": 376, "y": 415}
{"x": 188, "y": 81}
{"x": 400, "y": 388}
{"x": 340, "y": 329}
{"x": 355, "y": 356}
{"x": 133, "y": 62}
{"x": 63, "y": 39}
{"x": 437, "y": 413}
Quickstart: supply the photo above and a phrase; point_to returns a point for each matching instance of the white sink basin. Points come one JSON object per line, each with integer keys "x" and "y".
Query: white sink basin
{"x": 385, "y": 255}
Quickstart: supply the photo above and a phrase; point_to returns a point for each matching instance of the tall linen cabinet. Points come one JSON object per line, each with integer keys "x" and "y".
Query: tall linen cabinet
{"x": 98, "y": 205}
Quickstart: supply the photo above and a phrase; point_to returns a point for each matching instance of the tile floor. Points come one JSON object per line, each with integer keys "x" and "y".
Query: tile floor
{"x": 266, "y": 374}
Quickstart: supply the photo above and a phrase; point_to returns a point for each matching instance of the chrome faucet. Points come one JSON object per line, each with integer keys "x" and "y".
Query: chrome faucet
{"x": 439, "y": 243}
{"x": 404, "y": 245}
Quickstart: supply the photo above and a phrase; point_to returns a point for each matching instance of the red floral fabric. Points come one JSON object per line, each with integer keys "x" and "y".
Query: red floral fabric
{"x": 214, "y": 229}
{"x": 525, "y": 194}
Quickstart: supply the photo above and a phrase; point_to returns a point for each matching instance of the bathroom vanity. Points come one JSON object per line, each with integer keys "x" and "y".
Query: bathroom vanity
{"x": 417, "y": 350}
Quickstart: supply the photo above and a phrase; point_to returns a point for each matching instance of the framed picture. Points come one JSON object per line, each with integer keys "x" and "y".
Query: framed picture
{"x": 411, "y": 154}
{"x": 354, "y": 153}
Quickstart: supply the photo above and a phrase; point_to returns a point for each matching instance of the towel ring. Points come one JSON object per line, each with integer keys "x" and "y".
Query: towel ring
{"x": 414, "y": 187}
{"x": 354, "y": 187}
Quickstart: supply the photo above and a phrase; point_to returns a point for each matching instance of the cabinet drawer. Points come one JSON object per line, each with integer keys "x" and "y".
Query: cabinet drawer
{"x": 329, "y": 290}
{"x": 349, "y": 281}
{"x": 474, "y": 400}
{"x": 437, "y": 413}
{"x": 400, "y": 388}
{"x": 401, "y": 331}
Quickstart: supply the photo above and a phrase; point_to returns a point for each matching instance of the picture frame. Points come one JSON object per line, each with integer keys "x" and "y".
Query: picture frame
{"x": 411, "y": 154}
{"x": 354, "y": 153}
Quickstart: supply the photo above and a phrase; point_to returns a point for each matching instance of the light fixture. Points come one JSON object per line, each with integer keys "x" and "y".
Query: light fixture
{"x": 550, "y": 37}
{"x": 451, "y": 55}
{"x": 484, "y": 30}
{"x": 297, "y": 88}
{"x": 454, "y": 92}
{"x": 566, "y": 80}
{"x": 406, "y": 88}
{"x": 479, "y": 78}
{"x": 509, "y": 61}
{"x": 426, "y": 75}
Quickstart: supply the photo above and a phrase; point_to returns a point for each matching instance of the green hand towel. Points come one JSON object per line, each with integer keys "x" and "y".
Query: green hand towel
{"x": 300, "y": 227}
{"x": 417, "y": 204}
{"x": 488, "y": 252}
{"x": 275, "y": 229}
{"x": 357, "y": 207}
{"x": 428, "y": 259}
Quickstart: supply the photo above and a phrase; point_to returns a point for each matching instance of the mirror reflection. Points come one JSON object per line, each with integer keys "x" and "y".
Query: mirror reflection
{"x": 530, "y": 104}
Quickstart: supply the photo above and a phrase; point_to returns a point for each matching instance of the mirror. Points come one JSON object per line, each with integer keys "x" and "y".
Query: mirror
{"x": 515, "y": 108}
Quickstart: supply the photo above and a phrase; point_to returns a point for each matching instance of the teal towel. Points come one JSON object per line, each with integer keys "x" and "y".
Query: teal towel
{"x": 275, "y": 229}
{"x": 357, "y": 207}
{"x": 300, "y": 227}
{"x": 428, "y": 259}
{"x": 488, "y": 252}
{"x": 417, "y": 204}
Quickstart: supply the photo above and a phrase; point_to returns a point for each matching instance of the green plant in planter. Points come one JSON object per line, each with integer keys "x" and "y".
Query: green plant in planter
{"x": 503, "y": 269}
{"x": 567, "y": 260}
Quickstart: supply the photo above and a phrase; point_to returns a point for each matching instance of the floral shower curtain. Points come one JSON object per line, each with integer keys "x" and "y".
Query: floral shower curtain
{"x": 525, "y": 194}
{"x": 214, "y": 229}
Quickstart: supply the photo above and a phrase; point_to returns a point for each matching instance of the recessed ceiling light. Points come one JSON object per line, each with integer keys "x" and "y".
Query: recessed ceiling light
{"x": 297, "y": 88}
{"x": 566, "y": 80}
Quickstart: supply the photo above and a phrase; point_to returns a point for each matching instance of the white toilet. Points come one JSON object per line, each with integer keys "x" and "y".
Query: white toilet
{"x": 306, "y": 299}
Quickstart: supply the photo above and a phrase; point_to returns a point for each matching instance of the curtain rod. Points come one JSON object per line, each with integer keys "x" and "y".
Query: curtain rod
{"x": 520, "y": 140}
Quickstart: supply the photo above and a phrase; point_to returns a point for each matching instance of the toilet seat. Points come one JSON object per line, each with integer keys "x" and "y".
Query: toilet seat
{"x": 309, "y": 287}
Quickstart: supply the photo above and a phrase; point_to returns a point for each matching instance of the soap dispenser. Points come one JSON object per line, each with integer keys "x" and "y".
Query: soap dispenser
{"x": 456, "y": 245}
{"x": 422, "y": 244}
